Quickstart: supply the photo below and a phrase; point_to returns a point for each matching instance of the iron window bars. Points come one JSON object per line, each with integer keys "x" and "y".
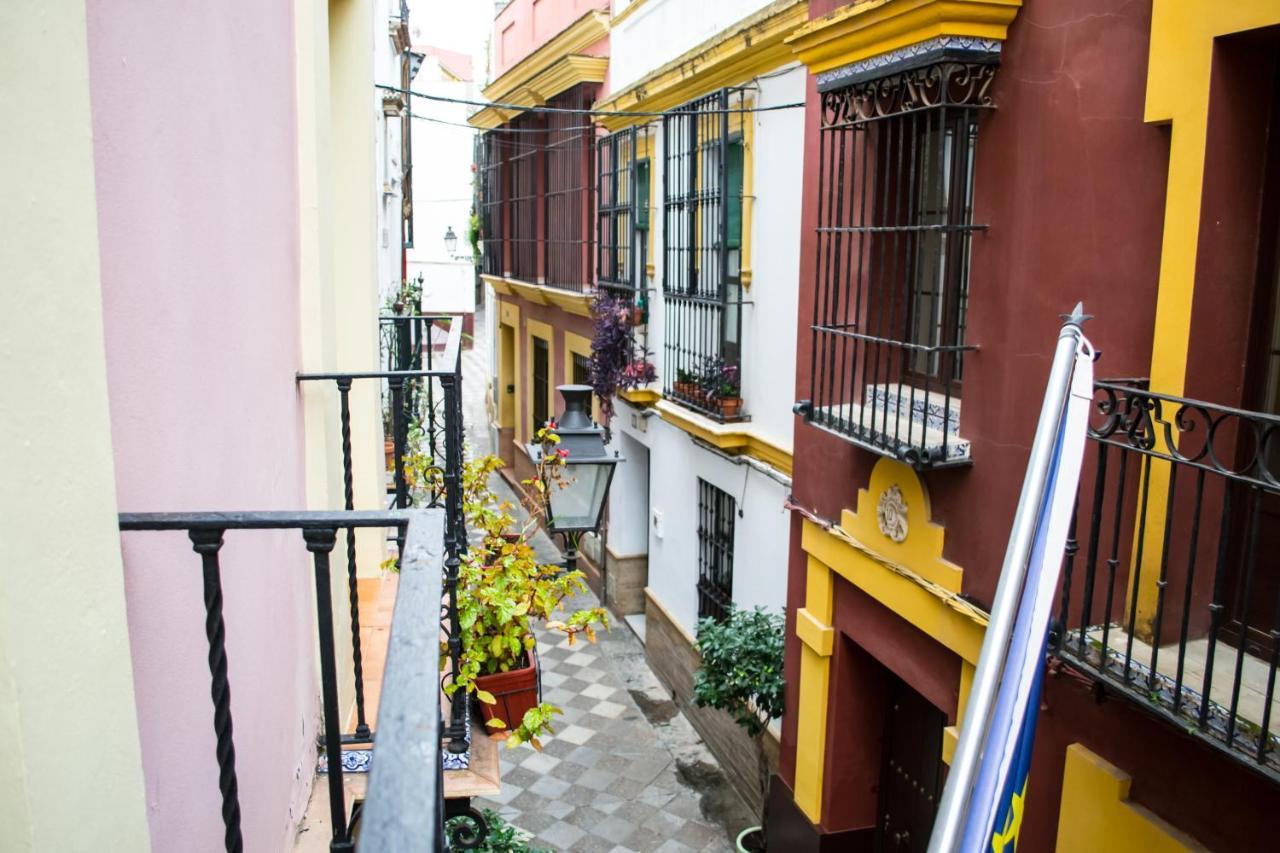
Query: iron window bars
{"x": 1179, "y": 505}
{"x": 715, "y": 551}
{"x": 489, "y": 200}
{"x": 895, "y": 193}
{"x": 622, "y": 212}
{"x": 521, "y": 159}
{"x": 568, "y": 197}
{"x": 703, "y": 154}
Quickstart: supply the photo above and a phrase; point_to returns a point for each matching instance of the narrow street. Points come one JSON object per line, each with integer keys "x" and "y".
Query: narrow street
{"x": 624, "y": 771}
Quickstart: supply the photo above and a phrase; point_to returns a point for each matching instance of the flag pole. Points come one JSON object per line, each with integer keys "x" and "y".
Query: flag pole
{"x": 948, "y": 828}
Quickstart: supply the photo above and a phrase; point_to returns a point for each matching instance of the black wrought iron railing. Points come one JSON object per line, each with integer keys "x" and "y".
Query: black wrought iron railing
{"x": 1171, "y": 587}
{"x": 424, "y": 401}
{"x": 489, "y": 200}
{"x": 568, "y": 200}
{"x": 414, "y": 712}
{"x": 894, "y": 227}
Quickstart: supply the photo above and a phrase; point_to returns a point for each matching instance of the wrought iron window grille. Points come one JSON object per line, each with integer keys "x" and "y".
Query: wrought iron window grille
{"x": 703, "y": 160}
{"x": 568, "y": 198}
{"x": 489, "y": 201}
{"x": 1168, "y": 592}
{"x": 623, "y": 170}
{"x": 896, "y": 157}
{"x": 716, "y": 515}
{"x": 523, "y": 195}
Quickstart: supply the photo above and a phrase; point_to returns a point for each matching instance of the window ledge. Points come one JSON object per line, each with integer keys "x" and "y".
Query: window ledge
{"x": 733, "y": 437}
{"x": 902, "y": 422}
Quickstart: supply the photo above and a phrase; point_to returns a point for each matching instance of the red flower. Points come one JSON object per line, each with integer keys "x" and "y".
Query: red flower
{"x": 551, "y": 424}
{"x": 564, "y": 454}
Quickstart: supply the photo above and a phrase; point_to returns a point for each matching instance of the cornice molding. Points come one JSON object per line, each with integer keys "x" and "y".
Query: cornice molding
{"x": 566, "y": 73}
{"x": 854, "y": 33}
{"x": 754, "y": 45}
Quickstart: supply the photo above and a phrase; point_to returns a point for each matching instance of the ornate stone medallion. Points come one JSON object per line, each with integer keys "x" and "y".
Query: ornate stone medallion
{"x": 891, "y": 514}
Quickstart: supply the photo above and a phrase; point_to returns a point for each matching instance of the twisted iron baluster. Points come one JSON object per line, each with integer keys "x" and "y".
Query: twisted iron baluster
{"x": 320, "y": 542}
{"x": 455, "y": 543}
{"x": 348, "y": 487}
{"x": 207, "y": 543}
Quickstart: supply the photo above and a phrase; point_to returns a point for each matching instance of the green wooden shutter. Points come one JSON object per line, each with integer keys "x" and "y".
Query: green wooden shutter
{"x": 641, "y": 195}
{"x": 733, "y": 205}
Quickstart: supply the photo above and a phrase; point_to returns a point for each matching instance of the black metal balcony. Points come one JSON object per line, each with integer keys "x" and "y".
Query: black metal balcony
{"x": 1171, "y": 593}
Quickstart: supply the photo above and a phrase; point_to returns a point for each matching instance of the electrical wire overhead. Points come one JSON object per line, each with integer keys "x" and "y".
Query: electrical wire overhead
{"x": 587, "y": 111}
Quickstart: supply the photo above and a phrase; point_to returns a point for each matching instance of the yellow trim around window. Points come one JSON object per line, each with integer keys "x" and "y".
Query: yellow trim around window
{"x": 869, "y": 29}
{"x": 750, "y": 47}
{"x": 627, "y": 12}
{"x": 538, "y": 329}
{"x": 1179, "y": 67}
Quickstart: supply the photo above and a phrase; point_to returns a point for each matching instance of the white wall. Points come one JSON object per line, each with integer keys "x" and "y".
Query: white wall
{"x": 442, "y": 191}
{"x": 760, "y": 534}
{"x": 661, "y": 30}
{"x": 386, "y": 71}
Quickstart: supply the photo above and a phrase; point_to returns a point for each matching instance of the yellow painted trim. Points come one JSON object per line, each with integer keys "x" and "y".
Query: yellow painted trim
{"x": 951, "y": 734}
{"x": 539, "y": 329}
{"x": 732, "y": 438}
{"x": 498, "y": 283}
{"x": 540, "y": 294}
{"x": 626, "y": 13}
{"x": 509, "y": 315}
{"x": 1179, "y": 67}
{"x": 590, "y": 28}
{"x": 1095, "y": 813}
{"x": 752, "y": 46}
{"x": 564, "y": 74}
{"x": 748, "y": 124}
{"x": 814, "y": 688}
{"x": 641, "y": 396}
{"x": 948, "y": 619}
{"x": 868, "y": 29}
{"x": 814, "y": 633}
{"x": 575, "y": 344}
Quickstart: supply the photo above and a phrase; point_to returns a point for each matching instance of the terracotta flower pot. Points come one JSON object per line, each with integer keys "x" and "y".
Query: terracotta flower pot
{"x": 389, "y": 447}
{"x": 689, "y": 390}
{"x": 516, "y": 691}
{"x": 637, "y": 316}
{"x": 729, "y": 406}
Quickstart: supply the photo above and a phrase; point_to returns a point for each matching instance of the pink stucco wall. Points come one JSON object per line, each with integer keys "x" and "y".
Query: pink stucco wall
{"x": 195, "y": 155}
{"x": 525, "y": 25}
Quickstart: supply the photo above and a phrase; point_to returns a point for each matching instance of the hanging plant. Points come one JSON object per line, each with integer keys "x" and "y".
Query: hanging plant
{"x": 614, "y": 365}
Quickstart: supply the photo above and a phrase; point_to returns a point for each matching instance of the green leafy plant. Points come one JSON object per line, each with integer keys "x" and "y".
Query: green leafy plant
{"x": 502, "y": 837}
{"x": 502, "y": 587}
{"x": 741, "y": 674}
{"x": 473, "y": 235}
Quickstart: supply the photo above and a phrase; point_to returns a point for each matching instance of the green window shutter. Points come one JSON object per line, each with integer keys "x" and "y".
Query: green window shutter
{"x": 733, "y": 205}
{"x": 641, "y": 195}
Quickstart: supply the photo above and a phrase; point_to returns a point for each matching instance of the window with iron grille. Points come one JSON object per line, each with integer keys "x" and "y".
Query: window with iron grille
{"x": 489, "y": 200}
{"x": 581, "y": 369}
{"x": 522, "y": 149}
{"x": 540, "y": 386}
{"x": 703, "y": 157}
{"x": 622, "y": 211}
{"x": 892, "y": 267}
{"x": 716, "y": 511}
{"x": 568, "y": 191}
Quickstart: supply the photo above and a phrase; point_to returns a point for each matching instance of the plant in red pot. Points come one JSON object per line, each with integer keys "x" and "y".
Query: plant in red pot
{"x": 502, "y": 587}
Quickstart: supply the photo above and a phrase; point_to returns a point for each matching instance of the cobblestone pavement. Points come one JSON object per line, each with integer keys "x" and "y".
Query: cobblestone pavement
{"x": 609, "y": 779}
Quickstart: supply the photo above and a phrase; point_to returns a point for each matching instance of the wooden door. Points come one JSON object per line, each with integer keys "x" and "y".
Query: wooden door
{"x": 911, "y": 775}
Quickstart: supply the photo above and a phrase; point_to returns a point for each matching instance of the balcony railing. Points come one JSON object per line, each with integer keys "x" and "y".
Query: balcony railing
{"x": 409, "y": 766}
{"x": 1171, "y": 590}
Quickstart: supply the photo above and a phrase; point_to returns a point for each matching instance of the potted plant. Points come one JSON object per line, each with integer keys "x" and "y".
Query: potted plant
{"x": 637, "y": 373}
{"x": 741, "y": 674}
{"x": 501, "y": 588}
{"x": 686, "y": 384}
{"x": 720, "y": 388}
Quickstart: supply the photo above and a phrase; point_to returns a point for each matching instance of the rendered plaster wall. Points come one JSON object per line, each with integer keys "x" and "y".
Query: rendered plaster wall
{"x": 197, "y": 202}
{"x": 66, "y": 686}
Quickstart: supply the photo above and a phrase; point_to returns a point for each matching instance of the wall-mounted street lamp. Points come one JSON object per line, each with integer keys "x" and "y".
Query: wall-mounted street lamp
{"x": 575, "y": 505}
{"x": 450, "y": 240}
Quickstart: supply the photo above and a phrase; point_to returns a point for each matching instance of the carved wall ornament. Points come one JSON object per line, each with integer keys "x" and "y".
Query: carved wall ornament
{"x": 891, "y": 514}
